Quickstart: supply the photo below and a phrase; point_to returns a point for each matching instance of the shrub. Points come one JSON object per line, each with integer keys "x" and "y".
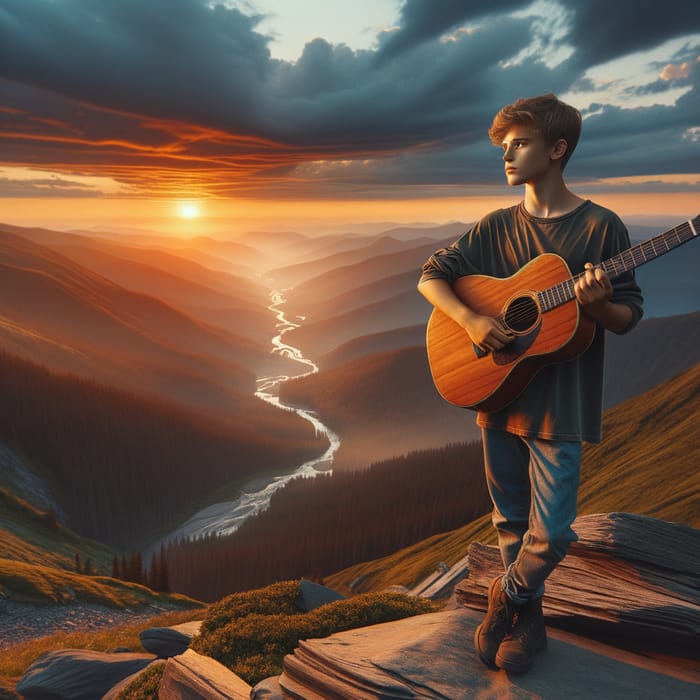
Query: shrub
{"x": 254, "y": 644}
{"x": 145, "y": 685}
{"x": 277, "y": 598}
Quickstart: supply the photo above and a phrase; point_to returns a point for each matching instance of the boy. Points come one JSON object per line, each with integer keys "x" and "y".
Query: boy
{"x": 532, "y": 447}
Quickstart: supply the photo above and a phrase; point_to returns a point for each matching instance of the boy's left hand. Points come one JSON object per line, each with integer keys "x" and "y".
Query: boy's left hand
{"x": 593, "y": 289}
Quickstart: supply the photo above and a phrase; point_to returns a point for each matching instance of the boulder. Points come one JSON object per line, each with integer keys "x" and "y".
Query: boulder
{"x": 313, "y": 595}
{"x": 191, "y": 676}
{"x": 164, "y": 642}
{"x": 78, "y": 674}
{"x": 268, "y": 689}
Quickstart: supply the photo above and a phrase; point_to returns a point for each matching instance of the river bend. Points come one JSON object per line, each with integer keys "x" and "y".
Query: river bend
{"x": 224, "y": 518}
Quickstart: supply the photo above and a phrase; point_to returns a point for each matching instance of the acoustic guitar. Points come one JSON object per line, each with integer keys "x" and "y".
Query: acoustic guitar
{"x": 539, "y": 306}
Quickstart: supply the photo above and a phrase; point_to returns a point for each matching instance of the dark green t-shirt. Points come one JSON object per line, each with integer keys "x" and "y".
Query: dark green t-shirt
{"x": 563, "y": 401}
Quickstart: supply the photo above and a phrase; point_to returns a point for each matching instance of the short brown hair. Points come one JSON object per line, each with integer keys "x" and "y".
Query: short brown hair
{"x": 551, "y": 117}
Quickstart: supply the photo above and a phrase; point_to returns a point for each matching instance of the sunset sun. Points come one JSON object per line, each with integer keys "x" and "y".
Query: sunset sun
{"x": 189, "y": 210}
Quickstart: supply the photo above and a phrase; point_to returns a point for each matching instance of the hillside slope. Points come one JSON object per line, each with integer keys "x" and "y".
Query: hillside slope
{"x": 72, "y": 319}
{"x": 648, "y": 460}
{"x": 33, "y": 536}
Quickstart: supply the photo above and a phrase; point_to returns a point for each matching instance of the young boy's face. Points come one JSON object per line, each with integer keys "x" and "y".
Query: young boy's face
{"x": 526, "y": 156}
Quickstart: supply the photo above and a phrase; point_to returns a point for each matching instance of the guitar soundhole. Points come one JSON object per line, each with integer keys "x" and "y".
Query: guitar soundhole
{"x": 522, "y": 313}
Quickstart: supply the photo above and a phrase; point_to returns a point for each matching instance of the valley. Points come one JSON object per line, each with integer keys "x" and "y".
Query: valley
{"x": 160, "y": 396}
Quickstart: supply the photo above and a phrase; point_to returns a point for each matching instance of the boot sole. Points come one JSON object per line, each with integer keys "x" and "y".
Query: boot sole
{"x": 519, "y": 667}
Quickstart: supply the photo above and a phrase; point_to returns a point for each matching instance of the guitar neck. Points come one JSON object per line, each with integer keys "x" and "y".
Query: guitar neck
{"x": 625, "y": 261}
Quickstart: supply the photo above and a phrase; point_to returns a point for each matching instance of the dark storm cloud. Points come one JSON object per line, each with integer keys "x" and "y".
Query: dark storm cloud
{"x": 163, "y": 57}
{"x": 129, "y": 81}
{"x": 604, "y": 30}
{"x": 422, "y": 20}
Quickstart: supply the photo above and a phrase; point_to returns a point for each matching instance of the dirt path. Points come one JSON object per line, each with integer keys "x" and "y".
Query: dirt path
{"x": 21, "y": 622}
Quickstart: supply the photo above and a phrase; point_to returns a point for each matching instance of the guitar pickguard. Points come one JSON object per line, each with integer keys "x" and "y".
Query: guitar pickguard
{"x": 511, "y": 352}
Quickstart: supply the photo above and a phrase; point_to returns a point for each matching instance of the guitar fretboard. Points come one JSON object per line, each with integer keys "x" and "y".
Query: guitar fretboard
{"x": 624, "y": 262}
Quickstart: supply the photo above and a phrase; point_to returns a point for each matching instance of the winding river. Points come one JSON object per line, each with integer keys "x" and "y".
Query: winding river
{"x": 224, "y": 518}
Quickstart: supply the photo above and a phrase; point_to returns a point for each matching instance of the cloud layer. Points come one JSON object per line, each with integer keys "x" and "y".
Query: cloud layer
{"x": 182, "y": 97}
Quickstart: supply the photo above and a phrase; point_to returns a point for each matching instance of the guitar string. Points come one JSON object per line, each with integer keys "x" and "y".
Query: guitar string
{"x": 644, "y": 252}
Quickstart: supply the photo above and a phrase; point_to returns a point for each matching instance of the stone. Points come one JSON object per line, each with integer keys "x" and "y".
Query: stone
{"x": 629, "y": 577}
{"x": 441, "y": 582}
{"x": 190, "y": 628}
{"x": 191, "y": 676}
{"x": 313, "y": 595}
{"x": 165, "y": 642}
{"x": 432, "y": 656}
{"x": 268, "y": 689}
{"x": 78, "y": 674}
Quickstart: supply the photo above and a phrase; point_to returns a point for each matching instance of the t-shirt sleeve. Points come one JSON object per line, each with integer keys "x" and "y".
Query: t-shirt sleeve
{"x": 456, "y": 260}
{"x": 625, "y": 288}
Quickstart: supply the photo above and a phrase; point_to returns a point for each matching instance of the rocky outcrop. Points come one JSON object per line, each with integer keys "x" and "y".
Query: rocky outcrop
{"x": 432, "y": 656}
{"x": 628, "y": 577}
{"x": 76, "y": 674}
{"x": 441, "y": 583}
{"x": 73, "y": 674}
{"x": 637, "y": 575}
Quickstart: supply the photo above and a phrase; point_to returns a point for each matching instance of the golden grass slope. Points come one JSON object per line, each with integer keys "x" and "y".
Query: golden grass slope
{"x": 32, "y": 583}
{"x": 649, "y": 458}
{"x": 32, "y": 536}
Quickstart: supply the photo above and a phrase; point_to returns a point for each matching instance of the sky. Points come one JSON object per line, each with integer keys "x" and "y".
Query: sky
{"x": 182, "y": 114}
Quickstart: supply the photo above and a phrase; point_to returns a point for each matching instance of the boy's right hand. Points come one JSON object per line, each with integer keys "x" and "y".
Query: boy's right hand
{"x": 487, "y": 333}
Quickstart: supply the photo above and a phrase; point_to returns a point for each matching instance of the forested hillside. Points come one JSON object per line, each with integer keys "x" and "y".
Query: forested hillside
{"x": 123, "y": 467}
{"x": 317, "y": 526}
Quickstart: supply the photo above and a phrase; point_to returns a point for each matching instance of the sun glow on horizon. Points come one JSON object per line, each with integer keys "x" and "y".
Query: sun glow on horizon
{"x": 233, "y": 216}
{"x": 189, "y": 210}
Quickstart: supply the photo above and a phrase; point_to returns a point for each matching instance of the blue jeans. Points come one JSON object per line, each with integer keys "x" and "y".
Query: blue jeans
{"x": 534, "y": 488}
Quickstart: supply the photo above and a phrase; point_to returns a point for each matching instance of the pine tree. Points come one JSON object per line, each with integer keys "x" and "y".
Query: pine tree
{"x": 164, "y": 584}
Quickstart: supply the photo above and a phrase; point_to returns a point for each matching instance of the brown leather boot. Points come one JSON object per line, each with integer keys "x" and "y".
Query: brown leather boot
{"x": 496, "y": 625}
{"x": 526, "y": 638}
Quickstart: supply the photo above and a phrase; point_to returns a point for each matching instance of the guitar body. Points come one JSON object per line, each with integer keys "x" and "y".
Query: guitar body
{"x": 465, "y": 376}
